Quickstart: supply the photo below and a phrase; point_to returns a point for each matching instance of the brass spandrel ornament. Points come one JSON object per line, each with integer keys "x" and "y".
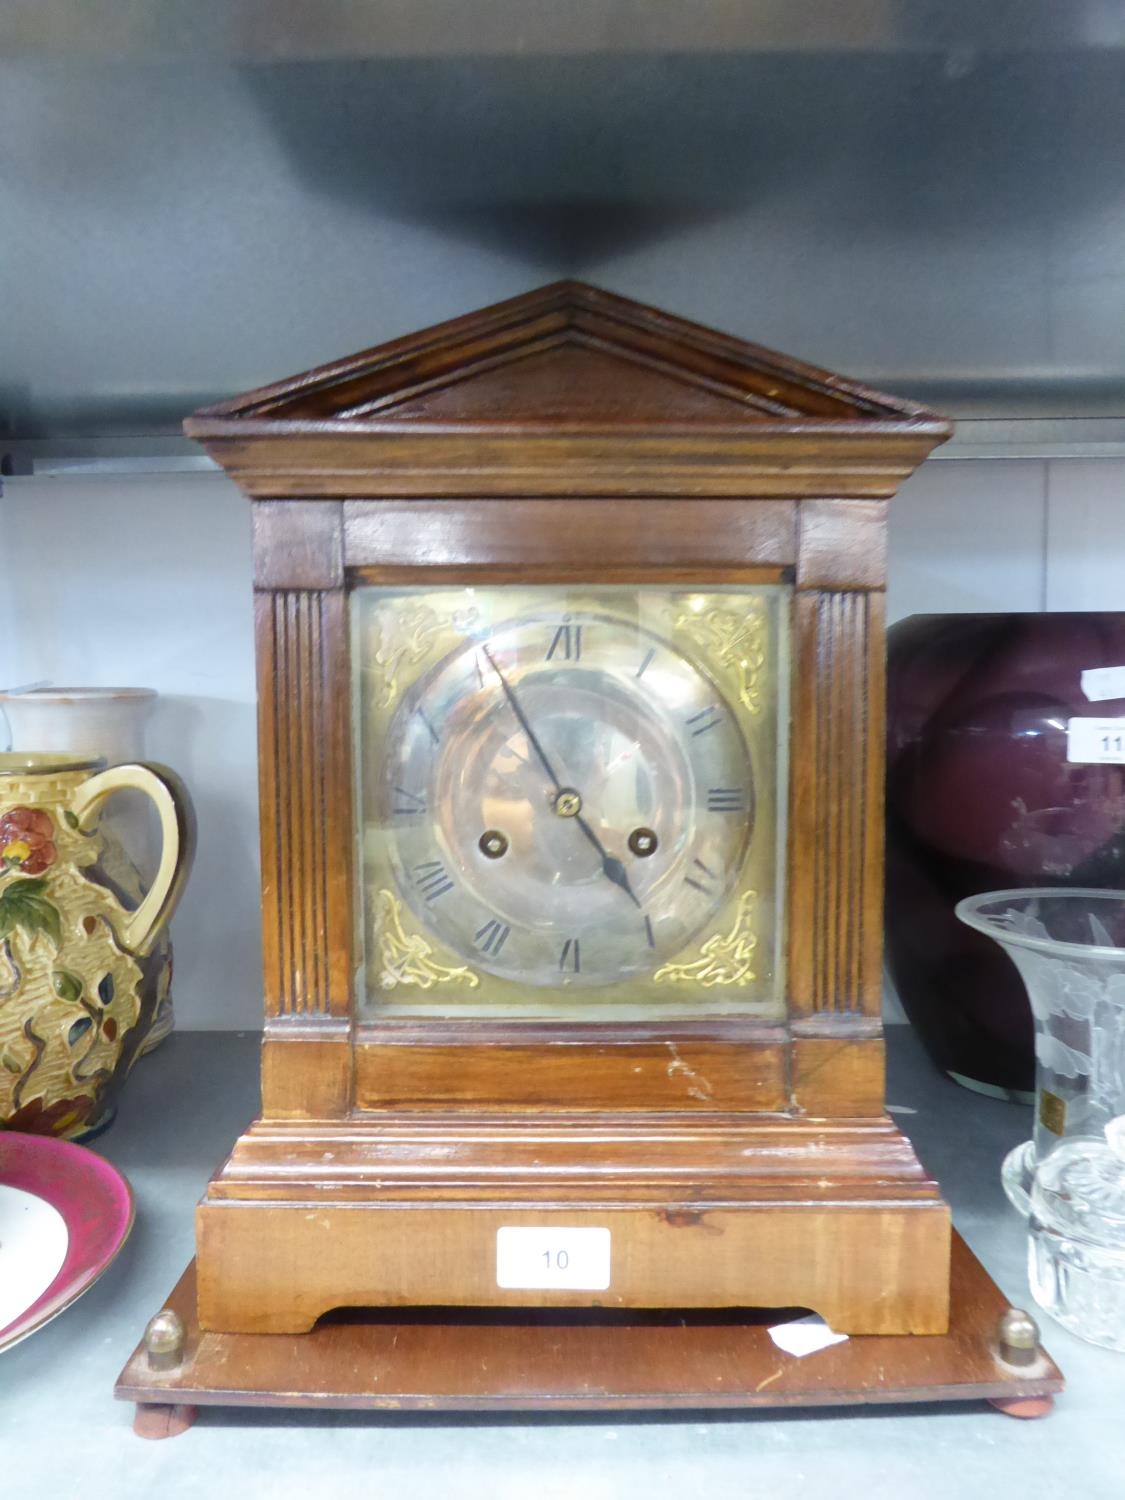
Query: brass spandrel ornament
{"x": 725, "y": 958}
{"x": 402, "y": 640}
{"x": 406, "y": 958}
{"x": 734, "y": 638}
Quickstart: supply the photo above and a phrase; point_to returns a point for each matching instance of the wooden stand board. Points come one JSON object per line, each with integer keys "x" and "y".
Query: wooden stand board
{"x": 448, "y": 1359}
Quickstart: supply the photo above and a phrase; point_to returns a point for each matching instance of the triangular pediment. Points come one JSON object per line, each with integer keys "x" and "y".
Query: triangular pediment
{"x": 567, "y": 353}
{"x": 567, "y": 382}
{"x": 567, "y": 391}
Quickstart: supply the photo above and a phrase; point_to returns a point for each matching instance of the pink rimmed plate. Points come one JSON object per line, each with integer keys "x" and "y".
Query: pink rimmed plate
{"x": 64, "y": 1215}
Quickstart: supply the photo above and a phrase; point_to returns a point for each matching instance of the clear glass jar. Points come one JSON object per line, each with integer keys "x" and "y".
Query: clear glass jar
{"x": 1069, "y": 947}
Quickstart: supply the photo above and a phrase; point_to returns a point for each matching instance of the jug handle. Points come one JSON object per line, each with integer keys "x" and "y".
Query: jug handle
{"x": 139, "y": 929}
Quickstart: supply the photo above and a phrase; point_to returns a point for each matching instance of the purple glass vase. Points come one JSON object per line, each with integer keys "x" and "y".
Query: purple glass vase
{"x": 980, "y": 797}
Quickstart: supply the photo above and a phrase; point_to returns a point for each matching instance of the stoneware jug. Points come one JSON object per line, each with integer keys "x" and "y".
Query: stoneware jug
{"x": 79, "y": 979}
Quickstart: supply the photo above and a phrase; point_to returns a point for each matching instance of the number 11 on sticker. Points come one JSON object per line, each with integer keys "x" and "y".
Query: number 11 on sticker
{"x": 1095, "y": 741}
{"x": 547, "y": 1258}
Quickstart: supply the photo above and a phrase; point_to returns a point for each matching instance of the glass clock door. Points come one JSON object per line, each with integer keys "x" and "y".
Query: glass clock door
{"x": 572, "y": 800}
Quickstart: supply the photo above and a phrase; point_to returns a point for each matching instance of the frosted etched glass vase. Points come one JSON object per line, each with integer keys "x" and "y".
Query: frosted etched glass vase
{"x": 1069, "y": 947}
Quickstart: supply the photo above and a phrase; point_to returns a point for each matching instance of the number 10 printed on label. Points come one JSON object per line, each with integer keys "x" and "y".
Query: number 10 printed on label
{"x": 544, "y": 1258}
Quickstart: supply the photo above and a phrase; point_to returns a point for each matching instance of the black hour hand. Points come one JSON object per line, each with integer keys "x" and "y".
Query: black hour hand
{"x": 612, "y": 868}
{"x": 615, "y": 871}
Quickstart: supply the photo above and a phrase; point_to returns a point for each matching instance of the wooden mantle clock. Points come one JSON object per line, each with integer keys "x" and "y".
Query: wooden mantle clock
{"x": 570, "y": 660}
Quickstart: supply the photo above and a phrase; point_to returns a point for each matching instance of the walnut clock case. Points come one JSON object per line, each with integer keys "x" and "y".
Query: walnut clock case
{"x": 570, "y": 658}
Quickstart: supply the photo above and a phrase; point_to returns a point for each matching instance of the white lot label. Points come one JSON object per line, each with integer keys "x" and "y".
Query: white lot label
{"x": 1100, "y": 683}
{"x": 805, "y": 1336}
{"x": 1092, "y": 742}
{"x": 552, "y": 1258}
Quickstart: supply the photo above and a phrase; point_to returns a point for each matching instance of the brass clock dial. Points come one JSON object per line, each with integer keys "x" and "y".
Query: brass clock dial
{"x": 569, "y": 799}
{"x": 572, "y": 799}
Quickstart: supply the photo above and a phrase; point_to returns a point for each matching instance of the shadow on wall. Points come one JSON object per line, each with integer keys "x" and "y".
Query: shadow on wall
{"x": 573, "y": 159}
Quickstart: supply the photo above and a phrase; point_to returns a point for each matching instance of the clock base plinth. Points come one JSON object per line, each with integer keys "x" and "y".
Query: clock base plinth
{"x": 443, "y": 1359}
{"x": 720, "y": 1211}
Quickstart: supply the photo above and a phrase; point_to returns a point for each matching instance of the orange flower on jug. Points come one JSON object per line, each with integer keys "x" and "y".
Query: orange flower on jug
{"x": 27, "y": 841}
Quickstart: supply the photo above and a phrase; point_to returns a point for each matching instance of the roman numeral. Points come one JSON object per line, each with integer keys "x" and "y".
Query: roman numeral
{"x": 432, "y": 731}
{"x": 431, "y": 879}
{"x": 566, "y": 643}
{"x": 702, "y": 878}
{"x": 648, "y": 932}
{"x": 730, "y": 799}
{"x": 570, "y": 957}
{"x": 408, "y": 804}
{"x": 492, "y": 937}
{"x": 644, "y": 666}
{"x": 705, "y": 719}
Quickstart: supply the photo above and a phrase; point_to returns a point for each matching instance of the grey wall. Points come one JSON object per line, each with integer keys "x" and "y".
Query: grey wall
{"x": 949, "y": 222}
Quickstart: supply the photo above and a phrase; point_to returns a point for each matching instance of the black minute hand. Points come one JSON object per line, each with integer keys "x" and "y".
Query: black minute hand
{"x": 612, "y": 868}
{"x": 513, "y": 703}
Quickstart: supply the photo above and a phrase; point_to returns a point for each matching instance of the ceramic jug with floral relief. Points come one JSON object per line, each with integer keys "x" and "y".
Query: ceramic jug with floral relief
{"x": 104, "y": 723}
{"x": 79, "y": 980}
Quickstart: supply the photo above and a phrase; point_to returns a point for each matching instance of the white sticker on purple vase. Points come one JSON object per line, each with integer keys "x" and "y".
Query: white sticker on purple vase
{"x": 1095, "y": 742}
{"x": 1102, "y": 683}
